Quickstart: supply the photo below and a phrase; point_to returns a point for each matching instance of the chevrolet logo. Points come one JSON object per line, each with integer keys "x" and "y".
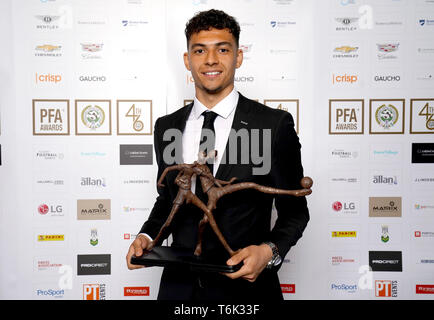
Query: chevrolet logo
{"x": 48, "y": 47}
{"x": 346, "y": 49}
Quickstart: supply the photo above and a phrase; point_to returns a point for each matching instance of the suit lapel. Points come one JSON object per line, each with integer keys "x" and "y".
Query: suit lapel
{"x": 241, "y": 120}
{"x": 179, "y": 122}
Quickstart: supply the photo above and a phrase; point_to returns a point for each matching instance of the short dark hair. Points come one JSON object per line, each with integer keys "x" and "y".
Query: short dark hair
{"x": 205, "y": 20}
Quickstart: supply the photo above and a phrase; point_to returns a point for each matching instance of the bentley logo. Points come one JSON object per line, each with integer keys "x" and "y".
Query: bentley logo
{"x": 47, "y": 19}
{"x": 347, "y": 21}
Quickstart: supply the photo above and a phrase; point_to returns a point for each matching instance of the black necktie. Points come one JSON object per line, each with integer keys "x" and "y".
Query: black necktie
{"x": 209, "y": 140}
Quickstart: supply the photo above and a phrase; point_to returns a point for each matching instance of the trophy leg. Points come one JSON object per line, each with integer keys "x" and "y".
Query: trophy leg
{"x": 213, "y": 224}
{"x": 166, "y": 224}
{"x": 202, "y": 225}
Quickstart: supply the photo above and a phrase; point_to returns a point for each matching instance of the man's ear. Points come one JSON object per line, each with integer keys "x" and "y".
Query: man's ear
{"x": 240, "y": 57}
{"x": 186, "y": 62}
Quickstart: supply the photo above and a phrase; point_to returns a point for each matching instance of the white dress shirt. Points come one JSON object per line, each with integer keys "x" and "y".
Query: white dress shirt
{"x": 225, "y": 110}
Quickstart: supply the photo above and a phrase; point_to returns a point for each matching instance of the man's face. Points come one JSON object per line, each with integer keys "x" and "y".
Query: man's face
{"x": 212, "y": 58}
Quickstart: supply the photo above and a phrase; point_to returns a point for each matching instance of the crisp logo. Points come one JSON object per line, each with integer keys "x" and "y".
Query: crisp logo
{"x": 50, "y": 78}
{"x": 345, "y": 78}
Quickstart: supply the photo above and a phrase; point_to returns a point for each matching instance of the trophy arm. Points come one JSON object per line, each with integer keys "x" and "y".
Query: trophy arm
{"x": 171, "y": 168}
{"x": 223, "y": 182}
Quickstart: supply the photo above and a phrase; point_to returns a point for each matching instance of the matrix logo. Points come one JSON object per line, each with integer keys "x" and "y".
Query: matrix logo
{"x": 94, "y": 209}
{"x": 385, "y": 261}
{"x": 385, "y": 207}
{"x": 94, "y": 292}
{"x": 386, "y": 288}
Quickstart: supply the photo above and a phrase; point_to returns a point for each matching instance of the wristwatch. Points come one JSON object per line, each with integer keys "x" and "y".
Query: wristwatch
{"x": 275, "y": 259}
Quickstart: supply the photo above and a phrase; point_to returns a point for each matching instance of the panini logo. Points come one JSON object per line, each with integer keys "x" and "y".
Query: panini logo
{"x": 51, "y": 237}
{"x": 385, "y": 207}
{"x": 344, "y": 234}
{"x": 94, "y": 209}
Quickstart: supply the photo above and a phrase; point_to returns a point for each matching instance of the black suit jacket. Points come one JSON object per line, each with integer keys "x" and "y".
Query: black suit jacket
{"x": 243, "y": 217}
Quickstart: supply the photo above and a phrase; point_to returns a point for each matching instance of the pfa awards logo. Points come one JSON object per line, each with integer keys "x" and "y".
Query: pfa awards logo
{"x": 346, "y": 116}
{"x": 422, "y": 116}
{"x": 50, "y": 117}
{"x": 291, "y": 106}
{"x": 134, "y": 117}
{"x": 93, "y": 117}
{"x": 386, "y": 116}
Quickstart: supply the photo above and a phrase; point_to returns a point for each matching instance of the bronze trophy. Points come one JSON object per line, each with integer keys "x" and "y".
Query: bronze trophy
{"x": 215, "y": 189}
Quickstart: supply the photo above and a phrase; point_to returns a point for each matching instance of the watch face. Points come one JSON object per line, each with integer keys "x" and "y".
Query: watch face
{"x": 278, "y": 261}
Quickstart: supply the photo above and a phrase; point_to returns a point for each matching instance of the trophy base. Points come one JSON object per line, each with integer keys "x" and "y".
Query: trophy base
{"x": 163, "y": 256}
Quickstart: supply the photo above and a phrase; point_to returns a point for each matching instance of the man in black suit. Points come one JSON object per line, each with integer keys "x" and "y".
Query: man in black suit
{"x": 243, "y": 217}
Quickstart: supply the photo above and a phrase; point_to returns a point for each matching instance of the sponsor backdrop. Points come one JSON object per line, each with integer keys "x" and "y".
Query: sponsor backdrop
{"x": 82, "y": 83}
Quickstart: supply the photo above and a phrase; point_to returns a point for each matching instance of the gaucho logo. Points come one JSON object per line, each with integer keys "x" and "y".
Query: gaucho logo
{"x": 90, "y": 78}
{"x": 387, "y": 78}
{"x": 385, "y": 261}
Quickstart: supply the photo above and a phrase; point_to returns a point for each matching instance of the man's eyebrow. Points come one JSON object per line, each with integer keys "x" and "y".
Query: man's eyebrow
{"x": 218, "y": 44}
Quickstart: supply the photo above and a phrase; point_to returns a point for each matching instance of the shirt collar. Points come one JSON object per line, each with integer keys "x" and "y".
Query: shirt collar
{"x": 224, "y": 108}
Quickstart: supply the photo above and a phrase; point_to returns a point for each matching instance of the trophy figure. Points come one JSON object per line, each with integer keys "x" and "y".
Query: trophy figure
{"x": 214, "y": 189}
